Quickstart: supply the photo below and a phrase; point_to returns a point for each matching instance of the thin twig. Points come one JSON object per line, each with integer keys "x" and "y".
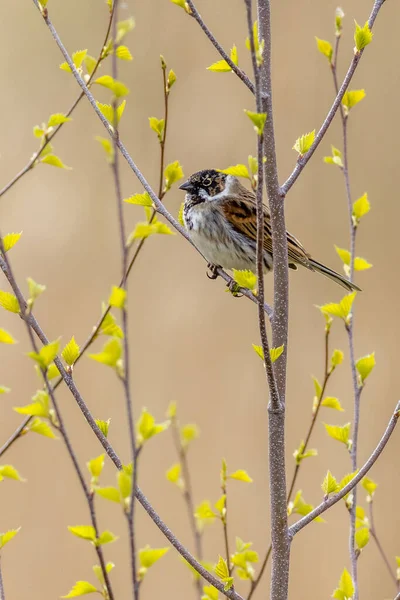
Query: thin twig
{"x": 321, "y": 508}
{"x": 350, "y": 331}
{"x": 130, "y": 514}
{"x": 48, "y": 138}
{"x": 2, "y": 594}
{"x": 188, "y": 493}
{"x": 372, "y": 530}
{"x": 241, "y": 74}
{"x": 302, "y": 161}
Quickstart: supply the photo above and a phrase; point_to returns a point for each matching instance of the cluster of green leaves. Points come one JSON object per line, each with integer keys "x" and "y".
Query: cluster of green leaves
{"x": 42, "y": 132}
{"x": 274, "y": 353}
{"x": 151, "y": 226}
{"x": 298, "y": 506}
{"x": 187, "y": 434}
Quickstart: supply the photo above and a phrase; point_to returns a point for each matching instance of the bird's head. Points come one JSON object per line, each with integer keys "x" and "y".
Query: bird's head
{"x": 206, "y": 185}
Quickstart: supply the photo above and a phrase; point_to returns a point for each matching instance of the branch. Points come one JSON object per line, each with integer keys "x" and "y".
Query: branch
{"x": 301, "y": 163}
{"x": 375, "y": 537}
{"x": 241, "y": 74}
{"x": 37, "y": 154}
{"x": 299, "y": 525}
{"x": 130, "y": 515}
{"x": 2, "y": 594}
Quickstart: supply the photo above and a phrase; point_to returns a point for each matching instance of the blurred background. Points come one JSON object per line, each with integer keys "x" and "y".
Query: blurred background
{"x": 191, "y": 341}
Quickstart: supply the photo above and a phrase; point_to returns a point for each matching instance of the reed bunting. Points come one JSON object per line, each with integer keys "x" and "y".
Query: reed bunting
{"x": 220, "y": 215}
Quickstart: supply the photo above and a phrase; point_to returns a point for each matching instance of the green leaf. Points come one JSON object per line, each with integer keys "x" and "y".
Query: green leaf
{"x": 148, "y": 556}
{"x": 171, "y": 79}
{"x": 9, "y": 302}
{"x": 144, "y": 230}
{"x": 361, "y": 207}
{"x": 245, "y": 279}
{"x": 108, "y": 148}
{"x": 95, "y": 467}
{"x": 325, "y": 48}
{"x": 275, "y": 353}
{"x": 221, "y": 569}
{"x": 304, "y": 143}
{"x": 335, "y": 159}
{"x": 158, "y": 126}
{"x": 54, "y": 161}
{"x": 80, "y": 589}
{"x": 362, "y": 36}
{"x": 318, "y": 388}
{"x": 345, "y": 591}
{"x": 103, "y": 426}
{"x": 117, "y": 297}
{"x": 341, "y": 434}
{"x": 220, "y": 505}
{"x": 362, "y": 537}
{"x": 35, "y": 290}
{"x": 106, "y": 538}
{"x": 351, "y": 98}
{"x": 342, "y": 310}
{"x": 77, "y": 58}
{"x": 339, "y": 14}
{"x": 360, "y": 264}
{"x": 172, "y": 173}
{"x": 52, "y": 371}
{"x": 222, "y": 66}
{"x": 6, "y": 338}
{"x": 39, "y": 132}
{"x": 329, "y": 485}
{"x": 10, "y": 240}
{"x": 123, "y": 28}
{"x": 210, "y": 593}
{"x": 182, "y": 4}
{"x": 108, "y": 111}
{"x": 241, "y": 475}
{"x": 172, "y": 410}
{"x": 70, "y": 352}
{"x": 180, "y": 215}
{"x": 346, "y": 479}
{"x": 8, "y": 536}
{"x": 259, "y": 351}
{"x": 237, "y": 171}
{"x": 124, "y": 485}
{"x": 97, "y": 570}
{"x": 40, "y": 407}
{"x": 41, "y": 427}
{"x": 85, "y": 532}
{"x": 204, "y": 514}
{"x": 258, "y": 120}
{"x": 10, "y": 472}
{"x": 331, "y": 402}
{"x": 109, "y": 325}
{"x": 189, "y": 433}
{"x": 337, "y": 358}
{"x": 46, "y": 354}
{"x": 369, "y": 485}
{"x": 147, "y": 427}
{"x": 111, "y": 353}
{"x": 118, "y": 88}
{"x": 299, "y": 454}
{"x": 123, "y": 53}
{"x": 4, "y": 389}
{"x": 365, "y": 365}
{"x": 108, "y": 493}
{"x": 90, "y": 63}
{"x": 344, "y": 255}
{"x": 258, "y": 45}
{"x": 173, "y": 475}
{"x": 140, "y": 199}
{"x": 57, "y": 119}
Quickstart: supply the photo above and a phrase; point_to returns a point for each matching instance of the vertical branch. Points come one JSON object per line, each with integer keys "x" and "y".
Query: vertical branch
{"x": 276, "y": 408}
{"x": 2, "y": 594}
{"x": 125, "y": 376}
{"x": 350, "y": 326}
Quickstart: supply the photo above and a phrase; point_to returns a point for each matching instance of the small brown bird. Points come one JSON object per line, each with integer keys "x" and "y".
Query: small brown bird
{"x": 220, "y": 215}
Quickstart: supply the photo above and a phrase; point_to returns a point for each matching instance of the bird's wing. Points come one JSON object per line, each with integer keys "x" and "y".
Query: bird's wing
{"x": 241, "y": 212}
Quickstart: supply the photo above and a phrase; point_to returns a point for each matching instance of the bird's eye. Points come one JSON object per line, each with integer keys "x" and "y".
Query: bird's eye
{"x": 207, "y": 181}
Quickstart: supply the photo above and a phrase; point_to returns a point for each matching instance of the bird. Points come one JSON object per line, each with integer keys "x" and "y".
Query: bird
{"x": 220, "y": 216}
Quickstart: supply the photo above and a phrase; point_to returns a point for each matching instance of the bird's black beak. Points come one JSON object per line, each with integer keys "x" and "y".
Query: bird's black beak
{"x": 187, "y": 186}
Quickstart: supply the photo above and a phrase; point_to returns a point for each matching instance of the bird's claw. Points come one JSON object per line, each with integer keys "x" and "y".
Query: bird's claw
{"x": 234, "y": 288}
{"x": 212, "y": 272}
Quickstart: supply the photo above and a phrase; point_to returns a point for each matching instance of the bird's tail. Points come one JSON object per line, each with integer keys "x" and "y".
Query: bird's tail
{"x": 340, "y": 279}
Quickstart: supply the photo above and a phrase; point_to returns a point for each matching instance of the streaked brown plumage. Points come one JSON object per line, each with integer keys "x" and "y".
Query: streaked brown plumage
{"x": 220, "y": 214}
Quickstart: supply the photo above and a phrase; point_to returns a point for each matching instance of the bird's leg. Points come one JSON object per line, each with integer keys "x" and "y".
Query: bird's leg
{"x": 212, "y": 271}
{"x": 234, "y": 288}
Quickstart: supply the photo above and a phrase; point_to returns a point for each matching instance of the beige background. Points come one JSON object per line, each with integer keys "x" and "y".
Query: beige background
{"x": 191, "y": 342}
